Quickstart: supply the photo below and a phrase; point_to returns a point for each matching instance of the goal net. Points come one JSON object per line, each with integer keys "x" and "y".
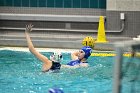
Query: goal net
{"x": 126, "y": 76}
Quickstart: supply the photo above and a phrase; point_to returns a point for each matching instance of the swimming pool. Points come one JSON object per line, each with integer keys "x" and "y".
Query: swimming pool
{"x": 20, "y": 72}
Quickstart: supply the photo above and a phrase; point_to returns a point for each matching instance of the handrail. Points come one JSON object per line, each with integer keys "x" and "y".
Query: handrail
{"x": 63, "y": 30}
{"x": 118, "y": 31}
{"x": 62, "y": 18}
{"x": 48, "y": 29}
{"x": 48, "y": 17}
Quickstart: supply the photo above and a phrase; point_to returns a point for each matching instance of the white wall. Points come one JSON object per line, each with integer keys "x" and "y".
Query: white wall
{"x": 123, "y": 5}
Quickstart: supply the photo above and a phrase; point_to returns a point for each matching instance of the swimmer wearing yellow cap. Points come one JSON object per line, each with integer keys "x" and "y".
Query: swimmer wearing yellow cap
{"x": 53, "y": 64}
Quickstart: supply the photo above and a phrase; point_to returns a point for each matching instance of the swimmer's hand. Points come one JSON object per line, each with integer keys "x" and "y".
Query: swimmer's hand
{"x": 29, "y": 27}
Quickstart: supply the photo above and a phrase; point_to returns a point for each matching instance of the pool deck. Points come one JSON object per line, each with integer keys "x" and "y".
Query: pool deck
{"x": 49, "y": 41}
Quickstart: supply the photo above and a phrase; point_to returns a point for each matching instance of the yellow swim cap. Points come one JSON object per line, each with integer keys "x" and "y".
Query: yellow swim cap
{"x": 88, "y": 41}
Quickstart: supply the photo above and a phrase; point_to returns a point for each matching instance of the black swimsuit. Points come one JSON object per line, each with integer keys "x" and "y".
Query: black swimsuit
{"x": 55, "y": 66}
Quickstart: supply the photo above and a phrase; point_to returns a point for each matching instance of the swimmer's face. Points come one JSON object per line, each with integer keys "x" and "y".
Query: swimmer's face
{"x": 81, "y": 54}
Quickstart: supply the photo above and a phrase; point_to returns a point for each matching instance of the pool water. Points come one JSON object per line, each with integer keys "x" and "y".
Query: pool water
{"x": 20, "y": 72}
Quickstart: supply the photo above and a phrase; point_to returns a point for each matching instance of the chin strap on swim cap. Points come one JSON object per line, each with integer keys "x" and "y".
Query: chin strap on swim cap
{"x": 56, "y": 57}
{"x": 87, "y": 51}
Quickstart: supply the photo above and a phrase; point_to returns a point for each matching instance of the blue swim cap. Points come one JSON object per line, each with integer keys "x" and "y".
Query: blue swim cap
{"x": 55, "y": 90}
{"x": 87, "y": 51}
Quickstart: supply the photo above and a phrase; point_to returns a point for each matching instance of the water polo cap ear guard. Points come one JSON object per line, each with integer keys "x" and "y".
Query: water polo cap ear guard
{"x": 56, "y": 57}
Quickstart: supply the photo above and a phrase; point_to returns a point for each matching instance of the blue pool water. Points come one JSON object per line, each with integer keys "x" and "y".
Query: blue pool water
{"x": 20, "y": 72}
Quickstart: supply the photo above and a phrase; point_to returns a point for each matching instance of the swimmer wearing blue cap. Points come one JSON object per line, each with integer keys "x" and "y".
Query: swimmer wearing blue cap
{"x": 79, "y": 58}
{"x": 54, "y": 63}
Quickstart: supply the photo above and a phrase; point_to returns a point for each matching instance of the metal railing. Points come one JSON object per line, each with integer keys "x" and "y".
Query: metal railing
{"x": 54, "y": 18}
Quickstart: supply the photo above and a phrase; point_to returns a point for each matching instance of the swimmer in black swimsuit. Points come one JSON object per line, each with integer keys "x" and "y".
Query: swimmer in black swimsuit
{"x": 52, "y": 64}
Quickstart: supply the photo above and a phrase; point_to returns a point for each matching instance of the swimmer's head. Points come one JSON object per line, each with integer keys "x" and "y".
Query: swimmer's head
{"x": 87, "y": 50}
{"x": 56, "y": 57}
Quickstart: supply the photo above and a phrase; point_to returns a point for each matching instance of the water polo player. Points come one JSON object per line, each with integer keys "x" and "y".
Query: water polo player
{"x": 52, "y": 64}
{"x": 79, "y": 58}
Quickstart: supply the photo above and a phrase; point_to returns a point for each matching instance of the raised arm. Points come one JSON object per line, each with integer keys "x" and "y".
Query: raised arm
{"x": 74, "y": 55}
{"x": 47, "y": 63}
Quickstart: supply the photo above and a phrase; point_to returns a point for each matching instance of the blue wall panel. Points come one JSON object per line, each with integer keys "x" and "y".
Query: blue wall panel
{"x": 17, "y": 3}
{"x": 55, "y": 3}
{"x": 2, "y": 2}
{"x": 9, "y": 2}
{"x": 25, "y": 3}
{"x": 76, "y": 4}
{"x": 42, "y": 3}
{"x": 33, "y": 3}
{"x": 67, "y": 4}
{"x": 102, "y": 3}
{"x": 94, "y": 3}
{"x": 59, "y": 3}
{"x": 50, "y": 3}
{"x": 85, "y": 3}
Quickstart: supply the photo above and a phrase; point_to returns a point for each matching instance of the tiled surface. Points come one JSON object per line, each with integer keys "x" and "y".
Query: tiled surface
{"x": 132, "y": 22}
{"x": 123, "y": 5}
{"x": 111, "y": 5}
{"x": 55, "y": 3}
{"x": 56, "y": 11}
